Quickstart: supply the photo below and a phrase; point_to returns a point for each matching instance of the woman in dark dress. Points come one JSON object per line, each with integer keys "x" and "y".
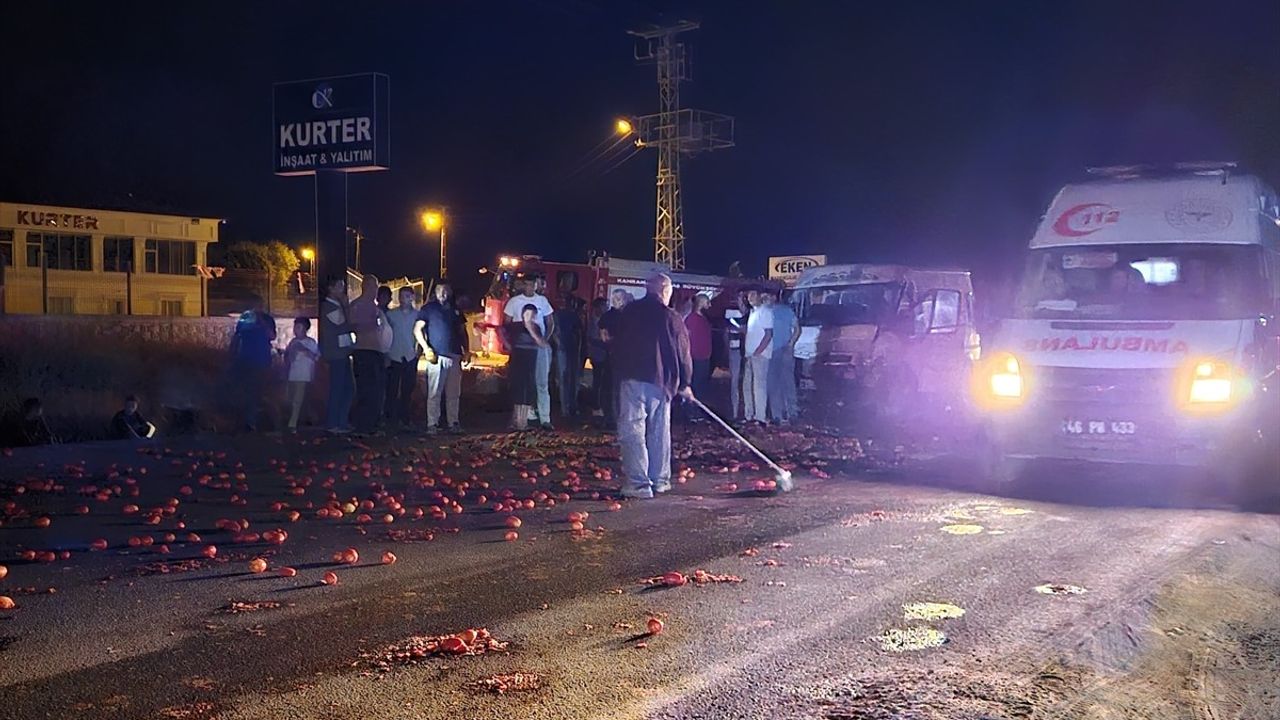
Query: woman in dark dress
{"x": 524, "y": 337}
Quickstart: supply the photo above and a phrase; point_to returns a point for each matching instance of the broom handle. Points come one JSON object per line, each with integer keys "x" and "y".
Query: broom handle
{"x": 737, "y": 435}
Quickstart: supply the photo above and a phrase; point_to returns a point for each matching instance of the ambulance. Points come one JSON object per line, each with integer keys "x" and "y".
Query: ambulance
{"x": 1144, "y": 329}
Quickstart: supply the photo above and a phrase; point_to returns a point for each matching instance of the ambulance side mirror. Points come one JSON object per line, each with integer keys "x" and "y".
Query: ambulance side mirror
{"x": 1269, "y": 326}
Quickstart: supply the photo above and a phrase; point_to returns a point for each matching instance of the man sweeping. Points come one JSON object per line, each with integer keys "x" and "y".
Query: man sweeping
{"x": 653, "y": 366}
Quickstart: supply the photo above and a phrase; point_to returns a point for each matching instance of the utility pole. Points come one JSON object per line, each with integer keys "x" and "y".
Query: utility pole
{"x": 674, "y": 132}
{"x": 359, "y": 238}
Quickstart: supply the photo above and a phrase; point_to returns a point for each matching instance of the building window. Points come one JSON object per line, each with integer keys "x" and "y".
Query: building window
{"x": 62, "y": 252}
{"x": 171, "y": 308}
{"x": 115, "y": 307}
{"x": 170, "y": 257}
{"x": 117, "y": 254}
{"x": 61, "y": 305}
{"x": 6, "y": 247}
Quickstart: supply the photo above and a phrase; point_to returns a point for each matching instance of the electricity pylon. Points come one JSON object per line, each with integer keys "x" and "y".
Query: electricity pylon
{"x": 674, "y": 131}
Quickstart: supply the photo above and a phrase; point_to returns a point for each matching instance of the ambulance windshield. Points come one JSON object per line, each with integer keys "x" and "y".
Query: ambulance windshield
{"x": 1144, "y": 282}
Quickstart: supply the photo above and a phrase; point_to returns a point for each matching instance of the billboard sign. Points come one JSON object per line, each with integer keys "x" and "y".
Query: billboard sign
{"x": 787, "y": 268}
{"x": 336, "y": 123}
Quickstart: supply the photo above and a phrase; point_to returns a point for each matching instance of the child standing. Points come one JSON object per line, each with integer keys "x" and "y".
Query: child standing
{"x": 300, "y": 356}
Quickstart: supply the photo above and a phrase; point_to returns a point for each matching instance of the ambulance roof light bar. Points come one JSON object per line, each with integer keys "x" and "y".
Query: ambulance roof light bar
{"x": 1149, "y": 170}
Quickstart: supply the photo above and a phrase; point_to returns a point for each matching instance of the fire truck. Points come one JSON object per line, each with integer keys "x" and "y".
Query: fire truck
{"x": 596, "y": 278}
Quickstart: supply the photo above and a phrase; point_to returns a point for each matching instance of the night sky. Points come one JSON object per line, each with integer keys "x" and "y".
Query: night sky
{"x": 925, "y": 132}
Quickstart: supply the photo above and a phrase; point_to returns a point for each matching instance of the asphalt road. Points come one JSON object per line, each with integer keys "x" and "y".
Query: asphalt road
{"x": 876, "y": 592}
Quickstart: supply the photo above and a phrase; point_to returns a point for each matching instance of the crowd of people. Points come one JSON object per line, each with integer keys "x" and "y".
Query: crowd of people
{"x": 644, "y": 355}
{"x": 371, "y": 351}
{"x": 762, "y": 367}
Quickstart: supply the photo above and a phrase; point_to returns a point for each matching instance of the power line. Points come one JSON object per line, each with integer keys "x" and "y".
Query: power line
{"x": 634, "y": 151}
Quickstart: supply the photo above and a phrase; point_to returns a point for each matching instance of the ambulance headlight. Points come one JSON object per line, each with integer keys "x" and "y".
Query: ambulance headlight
{"x": 999, "y": 381}
{"x": 1006, "y": 380}
{"x": 1210, "y": 385}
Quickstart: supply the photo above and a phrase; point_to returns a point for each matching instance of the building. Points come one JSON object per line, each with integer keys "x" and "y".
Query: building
{"x": 79, "y": 261}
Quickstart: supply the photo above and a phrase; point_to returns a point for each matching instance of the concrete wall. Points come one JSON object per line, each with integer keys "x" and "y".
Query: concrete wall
{"x": 82, "y": 367}
{"x": 210, "y": 332}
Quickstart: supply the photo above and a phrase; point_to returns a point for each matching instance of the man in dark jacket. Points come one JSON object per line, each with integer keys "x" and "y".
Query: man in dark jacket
{"x": 441, "y": 332}
{"x": 653, "y": 366}
{"x": 608, "y": 327}
{"x": 337, "y": 337}
{"x": 568, "y": 353}
{"x": 251, "y": 346}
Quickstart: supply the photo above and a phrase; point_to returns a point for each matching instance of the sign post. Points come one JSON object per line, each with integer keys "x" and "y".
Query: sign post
{"x": 787, "y": 268}
{"x": 328, "y": 127}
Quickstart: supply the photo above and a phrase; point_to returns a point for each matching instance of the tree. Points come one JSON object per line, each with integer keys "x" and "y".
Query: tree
{"x": 278, "y": 260}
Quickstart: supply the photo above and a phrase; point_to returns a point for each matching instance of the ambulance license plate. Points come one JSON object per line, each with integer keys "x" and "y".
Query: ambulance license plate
{"x": 1075, "y": 426}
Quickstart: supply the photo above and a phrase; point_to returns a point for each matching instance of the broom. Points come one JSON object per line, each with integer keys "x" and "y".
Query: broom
{"x": 781, "y": 476}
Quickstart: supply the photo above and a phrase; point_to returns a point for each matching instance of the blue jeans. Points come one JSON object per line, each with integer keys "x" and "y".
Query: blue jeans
{"x": 251, "y": 381}
{"x": 542, "y": 380}
{"x": 782, "y": 385}
{"x": 342, "y": 387}
{"x": 644, "y": 436}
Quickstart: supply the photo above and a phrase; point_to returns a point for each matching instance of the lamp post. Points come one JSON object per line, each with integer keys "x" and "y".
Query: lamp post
{"x": 309, "y": 255}
{"x": 433, "y": 220}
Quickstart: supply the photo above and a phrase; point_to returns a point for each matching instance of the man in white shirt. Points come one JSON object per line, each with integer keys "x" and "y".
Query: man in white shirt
{"x": 759, "y": 349}
{"x": 546, "y": 322}
{"x": 402, "y": 358}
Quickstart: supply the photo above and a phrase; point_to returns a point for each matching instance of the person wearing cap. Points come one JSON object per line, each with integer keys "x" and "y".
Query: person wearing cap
{"x": 653, "y": 367}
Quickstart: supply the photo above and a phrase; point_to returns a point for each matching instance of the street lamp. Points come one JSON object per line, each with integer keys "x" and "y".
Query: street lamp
{"x": 433, "y": 220}
{"x": 310, "y": 256}
{"x": 622, "y": 126}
